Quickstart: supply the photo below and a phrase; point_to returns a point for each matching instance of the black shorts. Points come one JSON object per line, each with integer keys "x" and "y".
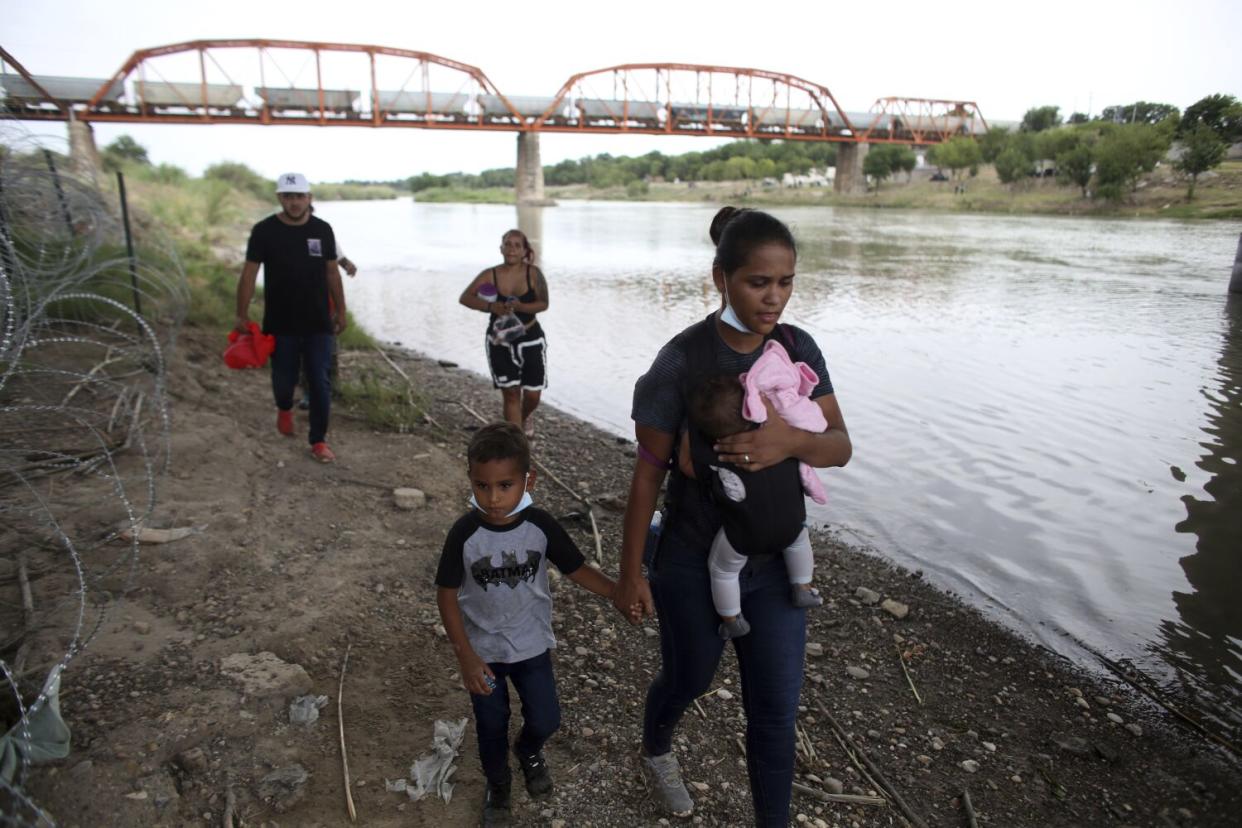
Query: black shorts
{"x": 522, "y": 363}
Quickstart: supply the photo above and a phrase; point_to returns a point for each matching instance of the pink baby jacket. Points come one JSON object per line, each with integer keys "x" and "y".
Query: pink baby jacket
{"x": 787, "y": 385}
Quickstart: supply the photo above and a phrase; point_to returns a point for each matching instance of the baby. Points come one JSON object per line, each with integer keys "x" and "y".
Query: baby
{"x": 763, "y": 512}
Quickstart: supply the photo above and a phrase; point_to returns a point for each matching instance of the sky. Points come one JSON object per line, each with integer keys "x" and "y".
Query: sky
{"x": 1076, "y": 54}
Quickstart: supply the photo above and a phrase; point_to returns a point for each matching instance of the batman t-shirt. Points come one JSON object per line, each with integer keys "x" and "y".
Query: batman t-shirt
{"x": 501, "y": 577}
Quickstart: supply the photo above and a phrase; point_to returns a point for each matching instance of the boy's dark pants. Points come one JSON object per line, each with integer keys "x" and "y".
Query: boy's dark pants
{"x": 541, "y": 713}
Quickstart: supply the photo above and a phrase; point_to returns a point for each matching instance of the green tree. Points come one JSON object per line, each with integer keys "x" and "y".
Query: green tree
{"x": 905, "y": 160}
{"x": 957, "y": 154}
{"x": 1139, "y": 112}
{"x": 1039, "y": 118}
{"x": 1222, "y": 113}
{"x": 1012, "y": 166}
{"x": 1054, "y": 142}
{"x": 878, "y": 164}
{"x": 124, "y": 150}
{"x": 1202, "y": 149}
{"x": 1077, "y": 118}
{"x": 993, "y": 143}
{"x": 1074, "y": 166}
{"x": 1123, "y": 153}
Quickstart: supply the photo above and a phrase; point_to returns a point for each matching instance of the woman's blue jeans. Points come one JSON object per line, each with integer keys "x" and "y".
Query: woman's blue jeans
{"x": 315, "y": 351}
{"x": 770, "y": 658}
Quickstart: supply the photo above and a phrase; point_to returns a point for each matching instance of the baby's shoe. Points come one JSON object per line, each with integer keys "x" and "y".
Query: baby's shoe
{"x": 734, "y": 628}
{"x": 806, "y": 597}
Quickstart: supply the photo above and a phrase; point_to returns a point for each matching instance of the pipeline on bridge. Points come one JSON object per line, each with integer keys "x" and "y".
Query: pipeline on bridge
{"x": 271, "y": 82}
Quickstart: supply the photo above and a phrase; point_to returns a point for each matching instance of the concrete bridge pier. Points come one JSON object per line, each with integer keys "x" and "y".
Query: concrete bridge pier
{"x": 529, "y": 182}
{"x": 83, "y": 156}
{"x": 850, "y": 178}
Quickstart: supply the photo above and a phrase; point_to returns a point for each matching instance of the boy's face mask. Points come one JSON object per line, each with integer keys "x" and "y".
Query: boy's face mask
{"x": 524, "y": 503}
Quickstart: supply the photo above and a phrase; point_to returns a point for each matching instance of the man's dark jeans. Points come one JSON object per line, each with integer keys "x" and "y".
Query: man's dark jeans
{"x": 541, "y": 713}
{"x": 315, "y": 352}
{"x": 770, "y": 659}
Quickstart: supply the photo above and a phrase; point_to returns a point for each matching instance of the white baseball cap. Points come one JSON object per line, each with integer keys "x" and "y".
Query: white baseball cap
{"x": 292, "y": 183}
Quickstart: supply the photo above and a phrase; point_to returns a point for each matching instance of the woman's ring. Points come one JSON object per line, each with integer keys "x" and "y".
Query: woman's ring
{"x": 745, "y": 458}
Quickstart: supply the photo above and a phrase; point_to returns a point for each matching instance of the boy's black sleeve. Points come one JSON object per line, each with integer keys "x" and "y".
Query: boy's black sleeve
{"x": 562, "y": 550}
{"x": 452, "y": 568}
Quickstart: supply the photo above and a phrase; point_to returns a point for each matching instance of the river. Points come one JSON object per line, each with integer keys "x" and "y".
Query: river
{"x": 1046, "y": 412}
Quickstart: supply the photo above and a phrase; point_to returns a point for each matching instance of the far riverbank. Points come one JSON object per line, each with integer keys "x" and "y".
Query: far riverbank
{"x": 1161, "y": 193}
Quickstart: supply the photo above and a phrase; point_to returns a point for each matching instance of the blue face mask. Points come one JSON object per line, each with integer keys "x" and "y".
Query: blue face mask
{"x": 729, "y": 316}
{"x": 525, "y": 502}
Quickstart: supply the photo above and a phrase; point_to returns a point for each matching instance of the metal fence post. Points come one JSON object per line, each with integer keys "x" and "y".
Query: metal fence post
{"x": 129, "y": 243}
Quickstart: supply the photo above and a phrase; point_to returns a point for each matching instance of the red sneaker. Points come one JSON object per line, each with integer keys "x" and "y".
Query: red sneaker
{"x": 322, "y": 453}
{"x": 284, "y": 422}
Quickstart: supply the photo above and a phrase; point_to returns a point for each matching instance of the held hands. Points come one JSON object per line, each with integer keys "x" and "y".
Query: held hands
{"x": 759, "y": 448}
{"x": 339, "y": 323}
{"x": 632, "y": 598}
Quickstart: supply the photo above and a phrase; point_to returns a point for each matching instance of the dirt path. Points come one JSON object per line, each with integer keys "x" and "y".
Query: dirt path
{"x": 299, "y": 560}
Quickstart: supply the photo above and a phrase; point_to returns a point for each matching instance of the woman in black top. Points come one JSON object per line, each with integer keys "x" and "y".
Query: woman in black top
{"x": 754, "y": 271}
{"x": 518, "y": 360}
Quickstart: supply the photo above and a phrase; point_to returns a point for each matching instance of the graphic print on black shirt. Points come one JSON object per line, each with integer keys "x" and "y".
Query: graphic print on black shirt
{"x": 510, "y": 572}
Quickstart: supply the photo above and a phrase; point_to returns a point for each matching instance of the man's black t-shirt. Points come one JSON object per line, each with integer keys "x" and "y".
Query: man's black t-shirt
{"x": 295, "y": 274}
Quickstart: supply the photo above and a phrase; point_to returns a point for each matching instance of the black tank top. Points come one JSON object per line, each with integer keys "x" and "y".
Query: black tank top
{"x": 528, "y": 296}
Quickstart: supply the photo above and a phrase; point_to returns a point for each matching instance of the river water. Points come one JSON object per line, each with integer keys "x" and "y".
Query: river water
{"x": 1046, "y": 412}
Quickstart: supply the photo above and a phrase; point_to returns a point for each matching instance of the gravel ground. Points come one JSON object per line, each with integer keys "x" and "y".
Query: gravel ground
{"x": 303, "y": 561}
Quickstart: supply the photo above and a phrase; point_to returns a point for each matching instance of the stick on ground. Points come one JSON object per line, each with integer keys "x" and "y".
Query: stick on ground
{"x": 849, "y": 799}
{"x": 970, "y": 809}
{"x": 884, "y": 783}
{"x": 906, "y": 673}
{"x": 340, "y": 720}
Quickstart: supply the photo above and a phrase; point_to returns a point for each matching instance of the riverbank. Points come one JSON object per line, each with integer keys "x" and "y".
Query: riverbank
{"x": 306, "y": 561}
{"x": 1160, "y": 194}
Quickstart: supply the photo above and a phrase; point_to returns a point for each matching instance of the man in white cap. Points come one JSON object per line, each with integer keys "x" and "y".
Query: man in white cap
{"x": 303, "y": 303}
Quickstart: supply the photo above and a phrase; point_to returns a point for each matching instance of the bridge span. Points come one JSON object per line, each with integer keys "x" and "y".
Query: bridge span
{"x": 270, "y": 83}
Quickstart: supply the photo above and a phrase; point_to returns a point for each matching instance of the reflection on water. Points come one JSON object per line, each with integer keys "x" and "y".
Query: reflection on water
{"x": 1206, "y": 646}
{"x": 1017, "y": 389}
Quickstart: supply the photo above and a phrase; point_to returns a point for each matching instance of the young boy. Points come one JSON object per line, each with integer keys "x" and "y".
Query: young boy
{"x": 497, "y": 609}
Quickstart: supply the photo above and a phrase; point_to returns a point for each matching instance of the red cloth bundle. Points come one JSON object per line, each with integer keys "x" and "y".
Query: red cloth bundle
{"x": 249, "y": 350}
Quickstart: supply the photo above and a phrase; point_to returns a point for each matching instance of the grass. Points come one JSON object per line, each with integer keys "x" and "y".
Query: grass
{"x": 207, "y": 222}
{"x": 465, "y": 195}
{"x": 356, "y": 192}
{"x": 381, "y": 400}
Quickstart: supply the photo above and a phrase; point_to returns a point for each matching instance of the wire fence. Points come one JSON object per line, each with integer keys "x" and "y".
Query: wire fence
{"x": 85, "y": 328}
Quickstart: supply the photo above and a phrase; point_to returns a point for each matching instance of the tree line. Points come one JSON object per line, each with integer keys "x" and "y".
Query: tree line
{"x": 1104, "y": 157}
{"x": 740, "y": 160}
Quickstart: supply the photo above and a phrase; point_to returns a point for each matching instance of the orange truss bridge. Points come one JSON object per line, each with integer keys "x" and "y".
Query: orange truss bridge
{"x": 275, "y": 82}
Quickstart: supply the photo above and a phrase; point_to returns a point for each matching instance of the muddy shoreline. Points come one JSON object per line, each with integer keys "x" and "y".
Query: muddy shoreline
{"x": 302, "y": 560}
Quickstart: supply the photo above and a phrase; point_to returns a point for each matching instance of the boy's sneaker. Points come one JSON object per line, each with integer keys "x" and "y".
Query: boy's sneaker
{"x": 663, "y": 777}
{"x": 304, "y": 403}
{"x": 535, "y": 769}
{"x": 322, "y": 453}
{"x": 284, "y": 422}
{"x": 806, "y": 597}
{"x": 496, "y": 806}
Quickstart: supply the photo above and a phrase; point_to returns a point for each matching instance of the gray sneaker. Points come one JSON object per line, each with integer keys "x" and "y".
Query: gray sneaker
{"x": 663, "y": 777}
